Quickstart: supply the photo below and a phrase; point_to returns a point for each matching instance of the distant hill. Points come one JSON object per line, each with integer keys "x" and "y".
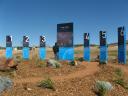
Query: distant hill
{"x": 79, "y": 45}
{"x": 115, "y": 44}
{"x": 92, "y": 45}
{"x": 2, "y": 47}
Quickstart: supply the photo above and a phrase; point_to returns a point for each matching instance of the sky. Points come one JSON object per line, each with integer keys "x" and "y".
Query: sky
{"x": 40, "y": 17}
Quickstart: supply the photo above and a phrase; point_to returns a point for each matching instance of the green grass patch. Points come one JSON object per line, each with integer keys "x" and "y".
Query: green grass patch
{"x": 48, "y": 83}
{"x": 122, "y": 83}
{"x": 120, "y": 78}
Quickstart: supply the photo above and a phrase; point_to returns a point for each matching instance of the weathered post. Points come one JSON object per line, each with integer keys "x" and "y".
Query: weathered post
{"x": 42, "y": 50}
{"x": 103, "y": 48}
{"x": 121, "y": 45}
{"x": 25, "y": 47}
{"x": 86, "y": 47}
{"x": 9, "y": 48}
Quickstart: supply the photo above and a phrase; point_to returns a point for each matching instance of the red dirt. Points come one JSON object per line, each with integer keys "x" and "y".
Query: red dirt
{"x": 91, "y": 68}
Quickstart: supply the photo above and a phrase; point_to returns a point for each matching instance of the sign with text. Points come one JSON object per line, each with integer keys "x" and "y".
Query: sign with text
{"x": 103, "y": 47}
{"x": 42, "y": 41}
{"x": 42, "y": 50}
{"x": 25, "y": 47}
{"x": 102, "y": 38}
{"x": 25, "y": 41}
{"x": 65, "y": 35}
{"x": 65, "y": 41}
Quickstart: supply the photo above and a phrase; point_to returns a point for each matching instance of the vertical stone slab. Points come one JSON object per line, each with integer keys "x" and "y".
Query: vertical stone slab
{"x": 121, "y": 45}
{"x": 25, "y": 50}
{"x": 42, "y": 50}
{"x": 86, "y": 47}
{"x": 9, "y": 49}
{"x": 65, "y": 41}
{"x": 103, "y": 48}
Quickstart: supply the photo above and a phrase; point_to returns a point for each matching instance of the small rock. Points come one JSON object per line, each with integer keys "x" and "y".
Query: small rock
{"x": 29, "y": 89}
{"x": 54, "y": 63}
{"x": 5, "y": 83}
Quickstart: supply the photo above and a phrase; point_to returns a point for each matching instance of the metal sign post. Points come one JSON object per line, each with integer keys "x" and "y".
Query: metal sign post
{"x": 103, "y": 48}
{"x": 9, "y": 48}
{"x": 25, "y": 47}
{"x": 86, "y": 47}
{"x": 42, "y": 50}
{"x": 121, "y": 45}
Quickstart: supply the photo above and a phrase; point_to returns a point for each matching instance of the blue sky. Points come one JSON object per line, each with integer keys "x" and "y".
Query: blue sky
{"x": 40, "y": 17}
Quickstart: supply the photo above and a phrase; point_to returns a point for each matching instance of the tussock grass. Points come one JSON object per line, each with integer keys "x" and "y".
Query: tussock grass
{"x": 120, "y": 78}
{"x": 102, "y": 88}
{"x": 48, "y": 83}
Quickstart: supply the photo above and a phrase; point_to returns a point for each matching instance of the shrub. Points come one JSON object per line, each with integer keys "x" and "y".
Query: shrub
{"x": 102, "y": 87}
{"x": 119, "y": 80}
{"x": 48, "y": 83}
{"x": 122, "y": 83}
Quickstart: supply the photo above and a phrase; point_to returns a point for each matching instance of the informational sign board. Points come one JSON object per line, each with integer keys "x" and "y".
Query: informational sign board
{"x": 86, "y": 47}
{"x": 103, "y": 47}
{"x": 42, "y": 51}
{"x": 121, "y": 45}
{"x": 9, "y": 48}
{"x": 65, "y": 35}
{"x": 25, "y": 47}
{"x": 65, "y": 41}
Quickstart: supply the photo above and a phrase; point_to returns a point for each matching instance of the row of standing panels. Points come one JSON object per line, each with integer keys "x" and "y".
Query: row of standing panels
{"x": 25, "y": 51}
{"x": 103, "y": 56}
{"x": 65, "y": 43}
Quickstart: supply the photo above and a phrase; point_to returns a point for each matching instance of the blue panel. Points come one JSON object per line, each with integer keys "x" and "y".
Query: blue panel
{"x": 25, "y": 53}
{"x": 42, "y": 53}
{"x": 103, "y": 54}
{"x": 122, "y": 54}
{"x": 87, "y": 53}
{"x": 66, "y": 53}
{"x": 9, "y": 52}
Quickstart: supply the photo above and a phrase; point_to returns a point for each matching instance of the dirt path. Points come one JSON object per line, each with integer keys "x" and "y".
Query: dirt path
{"x": 91, "y": 68}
